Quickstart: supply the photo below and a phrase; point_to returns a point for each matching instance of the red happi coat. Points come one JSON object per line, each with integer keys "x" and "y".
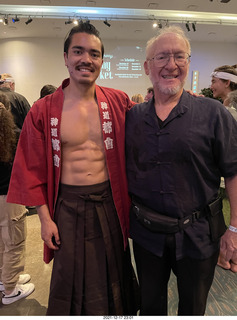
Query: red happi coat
{"x": 36, "y": 170}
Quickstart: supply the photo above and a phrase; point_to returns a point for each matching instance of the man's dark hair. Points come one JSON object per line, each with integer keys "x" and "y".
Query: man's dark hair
{"x": 83, "y": 27}
{"x": 150, "y": 89}
{"x": 46, "y": 90}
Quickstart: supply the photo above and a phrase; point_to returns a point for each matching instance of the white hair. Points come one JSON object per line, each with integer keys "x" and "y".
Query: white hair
{"x": 171, "y": 29}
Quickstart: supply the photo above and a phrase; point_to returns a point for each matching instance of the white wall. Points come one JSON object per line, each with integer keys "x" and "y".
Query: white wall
{"x": 206, "y": 56}
{"x": 33, "y": 63}
{"x": 36, "y": 62}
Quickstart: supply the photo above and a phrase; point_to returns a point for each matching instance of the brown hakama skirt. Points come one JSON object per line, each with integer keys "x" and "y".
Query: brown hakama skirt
{"x": 92, "y": 274}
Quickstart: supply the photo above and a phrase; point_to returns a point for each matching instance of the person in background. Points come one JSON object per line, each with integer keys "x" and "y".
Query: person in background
{"x": 224, "y": 82}
{"x": 13, "y": 284}
{"x": 75, "y": 175}
{"x": 224, "y": 86}
{"x": 137, "y": 98}
{"x": 176, "y": 153}
{"x": 232, "y": 101}
{"x": 46, "y": 90}
{"x": 19, "y": 104}
{"x": 149, "y": 94}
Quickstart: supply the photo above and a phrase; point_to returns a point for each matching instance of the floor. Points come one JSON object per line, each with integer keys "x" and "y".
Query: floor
{"x": 222, "y": 300}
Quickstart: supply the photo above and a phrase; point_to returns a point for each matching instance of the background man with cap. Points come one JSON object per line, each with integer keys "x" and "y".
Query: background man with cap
{"x": 19, "y": 104}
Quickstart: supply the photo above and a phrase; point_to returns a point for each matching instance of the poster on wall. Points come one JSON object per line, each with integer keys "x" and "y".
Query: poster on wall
{"x": 123, "y": 69}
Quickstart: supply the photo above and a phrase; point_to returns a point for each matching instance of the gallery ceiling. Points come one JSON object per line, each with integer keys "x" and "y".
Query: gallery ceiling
{"x": 212, "y": 20}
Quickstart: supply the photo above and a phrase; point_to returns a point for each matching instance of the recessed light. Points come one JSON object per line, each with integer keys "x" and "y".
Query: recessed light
{"x": 45, "y": 1}
{"x": 192, "y": 7}
{"x": 153, "y": 5}
{"x": 91, "y": 3}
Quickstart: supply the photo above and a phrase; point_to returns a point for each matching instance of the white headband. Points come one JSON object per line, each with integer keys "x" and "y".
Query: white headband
{"x": 224, "y": 76}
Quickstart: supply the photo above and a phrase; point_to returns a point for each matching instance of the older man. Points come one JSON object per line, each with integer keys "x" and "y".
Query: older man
{"x": 176, "y": 154}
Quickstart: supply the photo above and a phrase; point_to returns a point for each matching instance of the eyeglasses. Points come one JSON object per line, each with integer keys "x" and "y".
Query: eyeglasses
{"x": 180, "y": 58}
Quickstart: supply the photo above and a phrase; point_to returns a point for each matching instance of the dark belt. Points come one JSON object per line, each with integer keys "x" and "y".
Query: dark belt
{"x": 157, "y": 222}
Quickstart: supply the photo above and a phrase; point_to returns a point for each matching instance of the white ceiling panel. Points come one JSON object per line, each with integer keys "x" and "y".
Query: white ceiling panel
{"x": 214, "y": 20}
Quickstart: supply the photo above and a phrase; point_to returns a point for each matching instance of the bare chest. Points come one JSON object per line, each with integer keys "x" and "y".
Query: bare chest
{"x": 81, "y": 123}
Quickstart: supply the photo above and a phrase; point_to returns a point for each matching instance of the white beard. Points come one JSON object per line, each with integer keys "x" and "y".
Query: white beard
{"x": 169, "y": 90}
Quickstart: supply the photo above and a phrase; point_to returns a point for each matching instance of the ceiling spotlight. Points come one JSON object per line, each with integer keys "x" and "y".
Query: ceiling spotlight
{"x": 29, "y": 20}
{"x": 5, "y": 22}
{"x": 155, "y": 24}
{"x": 69, "y": 21}
{"x": 194, "y": 26}
{"x": 187, "y": 26}
{"x": 107, "y": 23}
{"x": 75, "y": 21}
{"x": 14, "y": 20}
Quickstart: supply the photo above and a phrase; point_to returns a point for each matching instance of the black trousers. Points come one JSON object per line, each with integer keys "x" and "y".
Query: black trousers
{"x": 92, "y": 274}
{"x": 194, "y": 280}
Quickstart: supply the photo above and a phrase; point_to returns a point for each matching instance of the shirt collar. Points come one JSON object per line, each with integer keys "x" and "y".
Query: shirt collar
{"x": 180, "y": 109}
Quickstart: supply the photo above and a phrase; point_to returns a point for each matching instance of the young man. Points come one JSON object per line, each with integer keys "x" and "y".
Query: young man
{"x": 71, "y": 159}
{"x": 176, "y": 154}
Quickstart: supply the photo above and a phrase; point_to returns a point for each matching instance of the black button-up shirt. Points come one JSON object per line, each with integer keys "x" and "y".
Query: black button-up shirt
{"x": 175, "y": 169}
